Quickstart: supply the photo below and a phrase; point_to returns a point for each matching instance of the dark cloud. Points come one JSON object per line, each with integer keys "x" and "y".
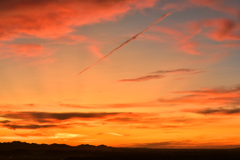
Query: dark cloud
{"x": 165, "y": 144}
{"x": 156, "y": 74}
{"x": 47, "y": 116}
{"x": 30, "y": 126}
{"x": 144, "y": 78}
{"x": 5, "y": 121}
{"x": 220, "y": 110}
{"x": 175, "y": 71}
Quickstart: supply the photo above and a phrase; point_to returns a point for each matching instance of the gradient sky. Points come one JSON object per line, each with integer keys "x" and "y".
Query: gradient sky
{"x": 174, "y": 86}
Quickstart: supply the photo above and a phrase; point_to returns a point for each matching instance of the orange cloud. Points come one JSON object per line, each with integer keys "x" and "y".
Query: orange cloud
{"x": 218, "y": 111}
{"x": 49, "y": 19}
{"x": 217, "y": 96}
{"x": 48, "y": 117}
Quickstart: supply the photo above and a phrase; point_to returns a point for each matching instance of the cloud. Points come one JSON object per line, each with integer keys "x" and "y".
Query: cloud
{"x": 5, "y": 121}
{"x": 27, "y": 51}
{"x": 49, "y": 19}
{"x": 217, "y": 111}
{"x": 115, "y": 134}
{"x": 95, "y": 50}
{"x": 175, "y": 71}
{"x": 165, "y": 144}
{"x": 207, "y": 96}
{"x": 124, "y": 43}
{"x": 177, "y": 6}
{"x": 182, "y": 38}
{"x": 155, "y": 75}
{"x": 30, "y": 126}
{"x": 48, "y": 117}
{"x": 222, "y": 29}
{"x": 66, "y": 135}
{"x": 217, "y": 5}
{"x": 116, "y": 106}
{"x": 144, "y": 78}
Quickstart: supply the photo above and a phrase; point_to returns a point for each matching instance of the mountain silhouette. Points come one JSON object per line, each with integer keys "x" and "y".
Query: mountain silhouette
{"x": 17, "y": 150}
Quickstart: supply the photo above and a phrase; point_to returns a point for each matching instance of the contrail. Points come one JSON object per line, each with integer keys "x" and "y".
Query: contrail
{"x": 161, "y": 18}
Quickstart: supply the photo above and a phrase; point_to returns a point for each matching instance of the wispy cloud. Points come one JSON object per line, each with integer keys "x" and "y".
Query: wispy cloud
{"x": 144, "y": 78}
{"x": 30, "y": 126}
{"x": 165, "y": 144}
{"x": 217, "y": 111}
{"x": 48, "y": 116}
{"x": 207, "y": 96}
{"x": 156, "y": 75}
{"x": 66, "y": 135}
{"x": 217, "y": 5}
{"x": 126, "y": 42}
{"x": 175, "y": 71}
{"x": 222, "y": 29}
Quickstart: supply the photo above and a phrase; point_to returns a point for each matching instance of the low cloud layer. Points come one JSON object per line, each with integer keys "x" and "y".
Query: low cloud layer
{"x": 218, "y": 111}
{"x": 47, "y": 116}
{"x": 210, "y": 96}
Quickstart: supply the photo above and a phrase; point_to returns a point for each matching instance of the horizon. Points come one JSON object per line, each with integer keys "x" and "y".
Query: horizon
{"x": 126, "y": 73}
{"x": 129, "y": 147}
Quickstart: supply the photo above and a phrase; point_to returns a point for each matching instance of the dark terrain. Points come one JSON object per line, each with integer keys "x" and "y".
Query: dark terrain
{"x": 25, "y": 151}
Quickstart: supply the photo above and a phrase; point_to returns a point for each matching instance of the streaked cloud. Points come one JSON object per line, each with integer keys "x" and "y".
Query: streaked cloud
{"x": 144, "y": 78}
{"x": 29, "y": 126}
{"x": 175, "y": 71}
{"x": 66, "y": 135}
{"x": 217, "y": 111}
{"x": 165, "y": 144}
{"x": 156, "y": 75}
{"x": 115, "y": 134}
{"x": 217, "y": 5}
{"x": 48, "y": 116}
{"x": 207, "y": 96}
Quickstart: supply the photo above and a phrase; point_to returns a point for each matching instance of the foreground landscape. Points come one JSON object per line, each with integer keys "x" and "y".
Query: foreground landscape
{"x": 25, "y": 151}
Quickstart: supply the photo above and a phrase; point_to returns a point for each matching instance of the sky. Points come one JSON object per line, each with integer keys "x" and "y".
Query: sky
{"x": 176, "y": 85}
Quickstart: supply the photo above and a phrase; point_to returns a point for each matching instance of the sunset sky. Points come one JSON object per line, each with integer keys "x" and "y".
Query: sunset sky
{"x": 174, "y": 86}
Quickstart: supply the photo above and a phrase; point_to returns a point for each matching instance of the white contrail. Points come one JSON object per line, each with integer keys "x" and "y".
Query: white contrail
{"x": 161, "y": 18}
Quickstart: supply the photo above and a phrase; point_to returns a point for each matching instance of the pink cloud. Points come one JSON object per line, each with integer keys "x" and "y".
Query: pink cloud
{"x": 177, "y": 6}
{"x": 23, "y": 51}
{"x": 51, "y": 19}
{"x": 218, "y": 5}
{"x": 182, "y": 38}
{"x": 95, "y": 50}
{"x": 70, "y": 39}
{"x": 222, "y": 29}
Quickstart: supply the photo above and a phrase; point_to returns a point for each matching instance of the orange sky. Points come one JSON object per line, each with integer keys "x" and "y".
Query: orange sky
{"x": 174, "y": 86}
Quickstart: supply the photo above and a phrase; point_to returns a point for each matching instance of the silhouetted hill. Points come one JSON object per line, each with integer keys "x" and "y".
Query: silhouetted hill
{"x": 24, "y": 151}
